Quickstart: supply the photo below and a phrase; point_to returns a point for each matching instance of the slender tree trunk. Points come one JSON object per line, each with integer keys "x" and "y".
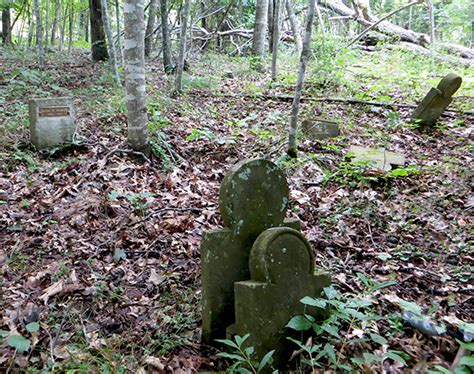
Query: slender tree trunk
{"x": 182, "y": 48}
{"x": 432, "y": 22}
{"x": 320, "y": 19}
{"x": 134, "y": 51}
{"x": 30, "y": 31}
{"x": 62, "y": 28}
{"x": 270, "y": 23}
{"x": 98, "y": 45}
{"x": 6, "y": 27}
{"x": 71, "y": 27}
{"x": 119, "y": 37}
{"x": 292, "y": 148}
{"x": 39, "y": 33}
{"x": 150, "y": 26}
{"x": 167, "y": 63}
{"x": 295, "y": 26}
{"x": 110, "y": 40}
{"x": 276, "y": 37}
{"x": 46, "y": 24}
{"x": 54, "y": 27}
{"x": 260, "y": 32}
{"x": 86, "y": 26}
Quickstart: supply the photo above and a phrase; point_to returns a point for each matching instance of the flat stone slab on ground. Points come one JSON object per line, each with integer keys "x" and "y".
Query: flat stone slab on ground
{"x": 52, "y": 122}
{"x": 437, "y": 100}
{"x": 320, "y": 129}
{"x": 380, "y": 158}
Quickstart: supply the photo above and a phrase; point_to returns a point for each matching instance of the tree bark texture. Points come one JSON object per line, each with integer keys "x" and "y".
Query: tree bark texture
{"x": 46, "y": 24}
{"x": 295, "y": 26}
{"x": 71, "y": 28}
{"x": 6, "y": 25}
{"x": 98, "y": 45}
{"x": 276, "y": 37}
{"x": 292, "y": 148}
{"x": 110, "y": 41}
{"x": 270, "y": 24}
{"x": 54, "y": 27}
{"x": 134, "y": 53}
{"x": 260, "y": 29}
{"x": 119, "y": 36}
{"x": 182, "y": 47}
{"x": 167, "y": 63}
{"x": 39, "y": 33}
{"x": 150, "y": 26}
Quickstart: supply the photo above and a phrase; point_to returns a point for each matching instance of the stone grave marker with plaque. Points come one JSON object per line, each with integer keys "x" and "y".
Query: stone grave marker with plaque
{"x": 52, "y": 122}
{"x": 320, "y": 129}
{"x": 258, "y": 247}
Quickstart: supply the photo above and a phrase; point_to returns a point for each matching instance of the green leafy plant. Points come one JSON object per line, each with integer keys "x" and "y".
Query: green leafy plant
{"x": 243, "y": 358}
{"x": 19, "y": 342}
{"x": 352, "y": 322}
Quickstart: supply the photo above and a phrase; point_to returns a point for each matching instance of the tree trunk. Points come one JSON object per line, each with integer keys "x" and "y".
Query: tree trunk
{"x": 62, "y": 27}
{"x": 276, "y": 38}
{"x": 6, "y": 27}
{"x": 57, "y": 9}
{"x": 182, "y": 48}
{"x": 39, "y": 33}
{"x": 134, "y": 53}
{"x": 98, "y": 45}
{"x": 432, "y": 22}
{"x": 110, "y": 40}
{"x": 260, "y": 32}
{"x": 71, "y": 27}
{"x": 150, "y": 26}
{"x": 119, "y": 37}
{"x": 270, "y": 23}
{"x": 46, "y": 24}
{"x": 295, "y": 26}
{"x": 167, "y": 63}
{"x": 292, "y": 148}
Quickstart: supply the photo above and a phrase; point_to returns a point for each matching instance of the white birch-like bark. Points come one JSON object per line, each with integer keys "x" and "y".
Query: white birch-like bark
{"x": 260, "y": 31}
{"x": 110, "y": 40}
{"x": 295, "y": 26}
{"x": 292, "y": 148}
{"x": 182, "y": 48}
{"x": 134, "y": 53}
{"x": 39, "y": 33}
{"x": 432, "y": 22}
{"x": 276, "y": 38}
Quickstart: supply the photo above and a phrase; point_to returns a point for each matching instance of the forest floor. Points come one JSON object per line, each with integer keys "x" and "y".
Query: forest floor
{"x": 101, "y": 247}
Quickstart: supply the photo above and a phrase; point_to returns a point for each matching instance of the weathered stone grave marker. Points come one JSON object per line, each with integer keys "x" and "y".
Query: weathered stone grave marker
{"x": 52, "y": 122}
{"x": 259, "y": 258}
{"x": 437, "y": 100}
{"x": 380, "y": 158}
{"x": 320, "y": 129}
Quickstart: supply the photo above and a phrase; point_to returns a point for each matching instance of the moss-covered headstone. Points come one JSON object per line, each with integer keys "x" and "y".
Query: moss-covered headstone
{"x": 259, "y": 257}
{"x": 437, "y": 100}
{"x": 282, "y": 273}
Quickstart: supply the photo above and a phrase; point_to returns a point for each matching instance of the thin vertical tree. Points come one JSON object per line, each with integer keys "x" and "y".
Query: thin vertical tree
{"x": 260, "y": 32}
{"x": 46, "y": 24}
{"x": 134, "y": 53}
{"x": 295, "y": 26}
{"x": 110, "y": 40}
{"x": 182, "y": 48}
{"x": 54, "y": 27}
{"x": 292, "y": 147}
{"x": 167, "y": 63}
{"x": 39, "y": 33}
{"x": 6, "y": 26}
{"x": 276, "y": 38}
{"x": 119, "y": 33}
{"x": 150, "y": 26}
{"x": 71, "y": 27}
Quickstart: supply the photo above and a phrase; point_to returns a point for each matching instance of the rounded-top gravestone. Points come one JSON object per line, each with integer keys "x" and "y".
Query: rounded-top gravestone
{"x": 253, "y": 197}
{"x": 279, "y": 255}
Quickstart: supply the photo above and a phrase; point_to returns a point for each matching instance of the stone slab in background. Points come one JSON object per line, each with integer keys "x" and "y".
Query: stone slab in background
{"x": 437, "y": 100}
{"x": 380, "y": 158}
{"x": 320, "y": 129}
{"x": 52, "y": 122}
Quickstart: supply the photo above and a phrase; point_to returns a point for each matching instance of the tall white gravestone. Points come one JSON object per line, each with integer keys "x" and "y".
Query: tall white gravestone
{"x": 52, "y": 122}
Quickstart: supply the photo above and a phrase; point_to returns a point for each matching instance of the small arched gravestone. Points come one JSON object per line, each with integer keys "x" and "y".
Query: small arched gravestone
{"x": 253, "y": 203}
{"x": 437, "y": 100}
{"x": 282, "y": 273}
